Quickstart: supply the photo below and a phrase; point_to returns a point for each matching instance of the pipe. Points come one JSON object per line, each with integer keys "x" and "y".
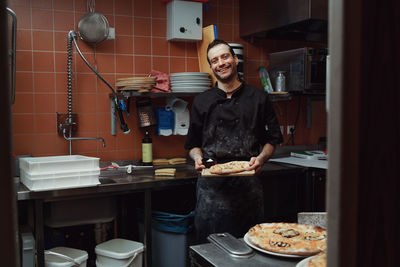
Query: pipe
{"x": 83, "y": 138}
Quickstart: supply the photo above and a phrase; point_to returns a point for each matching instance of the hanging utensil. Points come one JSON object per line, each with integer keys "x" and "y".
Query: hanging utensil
{"x": 93, "y": 28}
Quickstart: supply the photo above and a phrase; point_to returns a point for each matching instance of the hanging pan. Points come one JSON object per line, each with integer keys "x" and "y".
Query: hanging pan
{"x": 93, "y": 28}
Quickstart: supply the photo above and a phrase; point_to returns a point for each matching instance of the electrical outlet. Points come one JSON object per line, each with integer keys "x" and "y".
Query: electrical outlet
{"x": 289, "y": 129}
{"x": 111, "y": 34}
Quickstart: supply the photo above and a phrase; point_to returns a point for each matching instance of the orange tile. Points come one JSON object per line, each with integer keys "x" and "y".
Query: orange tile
{"x": 85, "y": 103}
{"x": 124, "y": 7}
{"x": 45, "y": 144}
{"x": 44, "y": 4}
{"x": 105, "y": 6}
{"x": 42, "y": 40}
{"x": 104, "y": 122}
{"x": 43, "y": 61}
{"x": 210, "y": 15}
{"x": 24, "y": 144}
{"x": 125, "y": 141}
{"x": 23, "y": 16}
{"x": 61, "y": 62}
{"x": 45, "y": 103}
{"x": 60, "y": 41}
{"x": 236, "y": 15}
{"x": 87, "y": 124}
{"x": 61, "y": 103}
{"x": 19, "y": 3}
{"x": 80, "y": 5}
{"x": 85, "y": 82}
{"x": 108, "y": 155}
{"x": 63, "y": 21}
{"x": 225, "y": 32}
{"x": 142, "y": 64}
{"x": 191, "y": 49}
{"x": 23, "y": 103}
{"x": 162, "y": 146}
{"x": 85, "y": 145}
{"x": 253, "y": 52}
{"x": 102, "y": 87}
{"x": 160, "y": 46}
{"x": 105, "y": 63}
{"x": 159, "y": 27}
{"x": 23, "y": 61}
{"x": 177, "y": 49}
{"x": 161, "y": 64}
{"x": 124, "y": 64}
{"x": 226, "y": 3}
{"x": 126, "y": 154}
{"x": 192, "y": 65}
{"x": 46, "y": 123}
{"x": 42, "y": 19}
{"x": 23, "y": 82}
{"x": 142, "y": 45}
{"x": 63, "y": 5}
{"x": 107, "y": 46}
{"x": 80, "y": 64}
{"x": 103, "y": 102}
{"x": 124, "y": 45}
{"x": 24, "y": 40}
{"x": 123, "y": 25}
{"x": 142, "y": 26}
{"x": 177, "y": 65}
{"x": 141, "y": 8}
{"x": 158, "y": 9}
{"x": 44, "y": 82}
{"x": 23, "y": 123}
{"x": 225, "y": 15}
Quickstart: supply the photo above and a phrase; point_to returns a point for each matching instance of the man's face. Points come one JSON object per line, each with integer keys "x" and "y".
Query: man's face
{"x": 222, "y": 63}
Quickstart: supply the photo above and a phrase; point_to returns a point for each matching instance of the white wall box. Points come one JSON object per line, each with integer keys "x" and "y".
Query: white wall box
{"x": 184, "y": 20}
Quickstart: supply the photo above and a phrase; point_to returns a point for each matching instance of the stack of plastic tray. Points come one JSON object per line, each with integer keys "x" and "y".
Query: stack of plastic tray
{"x": 59, "y": 172}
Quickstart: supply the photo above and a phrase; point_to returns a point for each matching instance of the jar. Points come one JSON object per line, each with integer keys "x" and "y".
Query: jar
{"x": 280, "y": 82}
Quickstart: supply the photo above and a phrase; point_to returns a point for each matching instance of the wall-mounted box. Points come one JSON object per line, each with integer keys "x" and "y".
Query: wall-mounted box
{"x": 184, "y": 21}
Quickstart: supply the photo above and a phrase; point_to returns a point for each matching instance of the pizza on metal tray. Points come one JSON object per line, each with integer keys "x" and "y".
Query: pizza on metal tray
{"x": 318, "y": 260}
{"x": 288, "y": 238}
{"x": 229, "y": 167}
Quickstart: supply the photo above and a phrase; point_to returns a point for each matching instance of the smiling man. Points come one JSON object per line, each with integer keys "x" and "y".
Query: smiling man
{"x": 232, "y": 121}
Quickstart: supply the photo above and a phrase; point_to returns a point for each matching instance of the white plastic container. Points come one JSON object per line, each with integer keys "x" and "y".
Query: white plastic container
{"x": 58, "y": 172}
{"x": 80, "y": 256}
{"x": 119, "y": 253}
{"x": 56, "y": 164}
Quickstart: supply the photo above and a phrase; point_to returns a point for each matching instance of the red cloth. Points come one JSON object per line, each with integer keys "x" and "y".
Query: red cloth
{"x": 162, "y": 82}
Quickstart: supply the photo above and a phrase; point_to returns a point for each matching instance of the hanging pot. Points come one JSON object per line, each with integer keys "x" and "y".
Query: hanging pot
{"x": 93, "y": 28}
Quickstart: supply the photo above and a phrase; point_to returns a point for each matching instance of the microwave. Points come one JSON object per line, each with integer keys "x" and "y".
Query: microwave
{"x": 304, "y": 69}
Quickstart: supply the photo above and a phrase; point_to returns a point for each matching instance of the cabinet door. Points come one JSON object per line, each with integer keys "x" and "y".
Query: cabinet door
{"x": 316, "y": 190}
{"x": 284, "y": 196}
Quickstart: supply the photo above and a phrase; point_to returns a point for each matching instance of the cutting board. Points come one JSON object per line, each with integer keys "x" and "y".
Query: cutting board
{"x": 207, "y": 173}
{"x": 208, "y": 37}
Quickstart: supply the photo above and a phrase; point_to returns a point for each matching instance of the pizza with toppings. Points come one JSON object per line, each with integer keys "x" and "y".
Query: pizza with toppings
{"x": 318, "y": 260}
{"x": 288, "y": 238}
{"x": 229, "y": 167}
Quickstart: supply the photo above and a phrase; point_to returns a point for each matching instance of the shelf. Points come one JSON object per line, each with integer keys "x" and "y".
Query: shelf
{"x": 149, "y": 94}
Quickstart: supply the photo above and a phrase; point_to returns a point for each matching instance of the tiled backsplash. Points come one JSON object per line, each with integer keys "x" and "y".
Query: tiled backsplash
{"x": 140, "y": 46}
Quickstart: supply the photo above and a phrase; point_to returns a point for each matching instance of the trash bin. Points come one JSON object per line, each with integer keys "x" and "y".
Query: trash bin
{"x": 170, "y": 238}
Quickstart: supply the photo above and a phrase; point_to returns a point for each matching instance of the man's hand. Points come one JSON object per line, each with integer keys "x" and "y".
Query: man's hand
{"x": 197, "y": 155}
{"x": 198, "y": 165}
{"x": 255, "y": 164}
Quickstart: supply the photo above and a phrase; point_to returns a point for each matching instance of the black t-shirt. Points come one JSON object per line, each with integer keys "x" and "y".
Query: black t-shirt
{"x": 233, "y": 128}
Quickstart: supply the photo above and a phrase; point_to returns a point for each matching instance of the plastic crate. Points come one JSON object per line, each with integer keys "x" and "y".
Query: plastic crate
{"x": 57, "y": 164}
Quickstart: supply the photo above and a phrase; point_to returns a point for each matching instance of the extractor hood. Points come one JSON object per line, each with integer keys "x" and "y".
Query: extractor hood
{"x": 305, "y": 20}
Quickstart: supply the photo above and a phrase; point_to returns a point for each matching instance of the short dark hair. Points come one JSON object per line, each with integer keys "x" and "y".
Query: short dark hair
{"x": 218, "y": 42}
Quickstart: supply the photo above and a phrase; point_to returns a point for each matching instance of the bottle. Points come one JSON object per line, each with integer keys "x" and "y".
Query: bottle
{"x": 265, "y": 81}
{"x": 280, "y": 82}
{"x": 147, "y": 150}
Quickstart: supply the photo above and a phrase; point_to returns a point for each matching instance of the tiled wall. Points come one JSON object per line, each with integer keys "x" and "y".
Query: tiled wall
{"x": 140, "y": 45}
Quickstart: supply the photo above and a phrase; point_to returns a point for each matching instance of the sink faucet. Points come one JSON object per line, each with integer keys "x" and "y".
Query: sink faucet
{"x": 82, "y": 138}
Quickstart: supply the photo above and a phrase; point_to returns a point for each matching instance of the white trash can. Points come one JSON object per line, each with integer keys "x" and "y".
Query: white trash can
{"x": 65, "y": 257}
{"x": 119, "y": 253}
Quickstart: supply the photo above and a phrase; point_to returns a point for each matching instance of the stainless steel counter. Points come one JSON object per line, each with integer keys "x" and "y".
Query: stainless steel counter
{"x": 118, "y": 182}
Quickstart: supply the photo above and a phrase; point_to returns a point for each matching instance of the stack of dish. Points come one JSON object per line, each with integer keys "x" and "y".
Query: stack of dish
{"x": 141, "y": 84}
{"x": 190, "y": 82}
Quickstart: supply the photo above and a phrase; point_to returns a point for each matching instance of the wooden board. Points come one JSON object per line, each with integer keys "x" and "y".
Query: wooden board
{"x": 208, "y": 37}
{"x": 206, "y": 173}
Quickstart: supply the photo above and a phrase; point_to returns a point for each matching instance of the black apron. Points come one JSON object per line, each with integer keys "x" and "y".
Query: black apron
{"x": 228, "y": 204}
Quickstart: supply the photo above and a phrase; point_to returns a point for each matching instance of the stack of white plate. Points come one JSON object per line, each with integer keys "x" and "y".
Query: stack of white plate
{"x": 190, "y": 81}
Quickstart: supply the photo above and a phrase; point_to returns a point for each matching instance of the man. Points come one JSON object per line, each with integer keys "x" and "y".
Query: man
{"x": 232, "y": 121}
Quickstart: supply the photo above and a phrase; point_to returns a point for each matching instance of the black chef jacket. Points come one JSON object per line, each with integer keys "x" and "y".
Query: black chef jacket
{"x": 230, "y": 129}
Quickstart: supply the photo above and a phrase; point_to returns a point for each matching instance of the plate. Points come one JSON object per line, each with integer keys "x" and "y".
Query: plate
{"x": 303, "y": 263}
{"x": 246, "y": 239}
{"x": 189, "y": 74}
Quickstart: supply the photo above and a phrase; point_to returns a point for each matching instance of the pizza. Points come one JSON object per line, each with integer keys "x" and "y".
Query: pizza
{"x": 288, "y": 238}
{"x": 229, "y": 167}
{"x": 318, "y": 260}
